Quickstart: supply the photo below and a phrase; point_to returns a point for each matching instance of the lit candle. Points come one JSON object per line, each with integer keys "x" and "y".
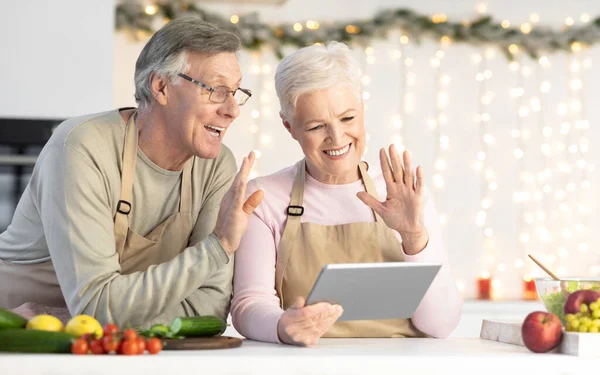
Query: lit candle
{"x": 529, "y": 289}
{"x": 484, "y": 286}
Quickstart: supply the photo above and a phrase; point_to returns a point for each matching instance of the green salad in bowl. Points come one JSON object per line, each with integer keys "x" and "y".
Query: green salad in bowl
{"x": 554, "y": 293}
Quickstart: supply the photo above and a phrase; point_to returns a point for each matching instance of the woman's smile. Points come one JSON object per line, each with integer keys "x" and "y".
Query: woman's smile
{"x": 338, "y": 153}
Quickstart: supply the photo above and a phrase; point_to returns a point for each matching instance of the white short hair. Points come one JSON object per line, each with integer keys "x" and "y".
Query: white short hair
{"x": 313, "y": 68}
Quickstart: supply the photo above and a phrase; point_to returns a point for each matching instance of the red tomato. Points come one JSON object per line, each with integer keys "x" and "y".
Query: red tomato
{"x": 130, "y": 334}
{"x": 111, "y": 329}
{"x": 120, "y": 346}
{"x": 141, "y": 345}
{"x": 130, "y": 347}
{"x": 86, "y": 336}
{"x": 154, "y": 345}
{"x": 79, "y": 346}
{"x": 110, "y": 343}
{"x": 97, "y": 347}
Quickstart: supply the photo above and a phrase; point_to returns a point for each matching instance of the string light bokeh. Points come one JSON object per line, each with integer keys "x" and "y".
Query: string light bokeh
{"x": 506, "y": 146}
{"x": 548, "y": 157}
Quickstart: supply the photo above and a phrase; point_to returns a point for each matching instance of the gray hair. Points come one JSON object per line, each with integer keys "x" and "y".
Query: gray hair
{"x": 166, "y": 52}
{"x": 313, "y": 68}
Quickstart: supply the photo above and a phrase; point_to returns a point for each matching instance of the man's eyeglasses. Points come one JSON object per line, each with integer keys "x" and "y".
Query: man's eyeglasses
{"x": 220, "y": 93}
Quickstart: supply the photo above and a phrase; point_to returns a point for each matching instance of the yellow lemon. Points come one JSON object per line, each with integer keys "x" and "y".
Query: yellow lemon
{"x": 82, "y": 324}
{"x": 45, "y": 323}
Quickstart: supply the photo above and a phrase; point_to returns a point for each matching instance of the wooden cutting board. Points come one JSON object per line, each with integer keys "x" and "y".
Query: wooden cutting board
{"x": 203, "y": 343}
{"x": 572, "y": 343}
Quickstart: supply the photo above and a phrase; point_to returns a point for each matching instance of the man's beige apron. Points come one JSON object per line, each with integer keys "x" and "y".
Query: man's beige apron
{"x": 306, "y": 247}
{"x": 20, "y": 283}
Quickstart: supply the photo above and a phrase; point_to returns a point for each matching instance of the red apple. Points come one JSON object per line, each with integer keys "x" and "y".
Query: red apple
{"x": 576, "y": 298}
{"x": 541, "y": 331}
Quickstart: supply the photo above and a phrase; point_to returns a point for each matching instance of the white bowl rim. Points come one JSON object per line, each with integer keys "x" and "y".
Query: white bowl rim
{"x": 546, "y": 278}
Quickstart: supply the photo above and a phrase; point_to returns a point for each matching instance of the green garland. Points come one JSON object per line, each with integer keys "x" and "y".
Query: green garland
{"x": 479, "y": 32}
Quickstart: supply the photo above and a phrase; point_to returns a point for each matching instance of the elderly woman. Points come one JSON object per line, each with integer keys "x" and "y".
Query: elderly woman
{"x": 343, "y": 220}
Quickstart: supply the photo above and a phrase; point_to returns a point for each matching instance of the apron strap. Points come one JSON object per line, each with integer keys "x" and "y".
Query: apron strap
{"x": 295, "y": 209}
{"x": 292, "y": 226}
{"x": 369, "y": 185}
{"x": 127, "y": 175}
{"x": 294, "y": 213}
{"x": 185, "y": 202}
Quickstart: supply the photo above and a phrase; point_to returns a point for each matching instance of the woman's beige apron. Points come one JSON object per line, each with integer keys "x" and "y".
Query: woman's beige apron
{"x": 306, "y": 247}
{"x": 20, "y": 283}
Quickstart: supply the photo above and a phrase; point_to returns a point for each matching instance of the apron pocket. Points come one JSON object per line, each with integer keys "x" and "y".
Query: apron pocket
{"x": 134, "y": 244}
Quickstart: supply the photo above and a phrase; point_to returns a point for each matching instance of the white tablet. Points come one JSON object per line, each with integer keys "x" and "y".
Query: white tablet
{"x": 370, "y": 291}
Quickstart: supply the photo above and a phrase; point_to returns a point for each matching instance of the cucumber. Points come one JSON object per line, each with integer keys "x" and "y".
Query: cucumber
{"x": 159, "y": 330}
{"x": 34, "y": 341}
{"x": 9, "y": 319}
{"x": 198, "y": 326}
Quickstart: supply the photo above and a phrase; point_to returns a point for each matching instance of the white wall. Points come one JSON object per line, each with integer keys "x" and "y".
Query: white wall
{"x": 550, "y": 11}
{"x": 460, "y": 200}
{"x": 55, "y": 62}
{"x": 56, "y": 57}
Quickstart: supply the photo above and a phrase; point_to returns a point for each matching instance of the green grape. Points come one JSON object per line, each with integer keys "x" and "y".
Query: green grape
{"x": 575, "y": 324}
{"x": 593, "y": 329}
{"x": 568, "y": 326}
{"x": 586, "y": 322}
{"x": 583, "y": 308}
{"x": 594, "y": 306}
{"x": 572, "y": 286}
{"x": 583, "y": 329}
{"x": 570, "y": 317}
{"x": 596, "y": 314}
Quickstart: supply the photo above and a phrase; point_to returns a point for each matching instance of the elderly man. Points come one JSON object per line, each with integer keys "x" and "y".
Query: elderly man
{"x": 133, "y": 215}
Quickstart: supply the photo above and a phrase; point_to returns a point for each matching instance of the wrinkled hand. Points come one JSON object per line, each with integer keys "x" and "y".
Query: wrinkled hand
{"x": 234, "y": 212}
{"x": 304, "y": 325}
{"x": 30, "y": 309}
{"x": 403, "y": 208}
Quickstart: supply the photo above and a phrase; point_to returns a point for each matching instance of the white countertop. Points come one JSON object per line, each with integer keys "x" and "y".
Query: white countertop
{"x": 330, "y": 356}
{"x": 462, "y": 352}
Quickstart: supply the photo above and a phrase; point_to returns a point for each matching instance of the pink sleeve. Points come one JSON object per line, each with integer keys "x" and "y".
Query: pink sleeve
{"x": 255, "y": 306}
{"x": 443, "y": 291}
